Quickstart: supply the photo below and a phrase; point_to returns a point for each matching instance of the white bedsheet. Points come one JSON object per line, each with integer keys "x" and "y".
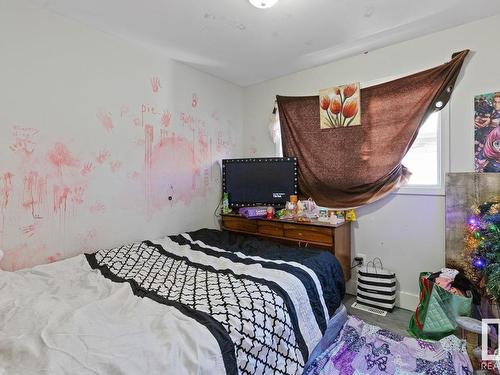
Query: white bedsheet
{"x": 65, "y": 318}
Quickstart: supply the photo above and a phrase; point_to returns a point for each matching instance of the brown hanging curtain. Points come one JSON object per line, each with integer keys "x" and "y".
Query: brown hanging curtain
{"x": 353, "y": 166}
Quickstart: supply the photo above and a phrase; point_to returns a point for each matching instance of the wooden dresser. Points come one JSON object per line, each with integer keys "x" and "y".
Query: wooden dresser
{"x": 335, "y": 238}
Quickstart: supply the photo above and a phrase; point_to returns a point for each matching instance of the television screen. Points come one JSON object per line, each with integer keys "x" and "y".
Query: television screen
{"x": 259, "y": 181}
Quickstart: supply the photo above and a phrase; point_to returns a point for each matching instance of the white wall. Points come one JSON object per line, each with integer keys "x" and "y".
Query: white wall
{"x": 85, "y": 160}
{"x": 406, "y": 231}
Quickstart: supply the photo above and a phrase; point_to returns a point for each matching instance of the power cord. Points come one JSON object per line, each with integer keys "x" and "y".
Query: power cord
{"x": 356, "y": 262}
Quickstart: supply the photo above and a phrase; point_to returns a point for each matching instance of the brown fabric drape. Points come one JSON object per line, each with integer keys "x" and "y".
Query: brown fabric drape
{"x": 350, "y": 167}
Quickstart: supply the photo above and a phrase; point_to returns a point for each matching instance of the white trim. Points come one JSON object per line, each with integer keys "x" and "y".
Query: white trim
{"x": 408, "y": 301}
{"x": 443, "y": 161}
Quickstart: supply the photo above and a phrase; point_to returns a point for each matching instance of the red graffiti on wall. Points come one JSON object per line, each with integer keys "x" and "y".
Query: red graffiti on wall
{"x": 172, "y": 165}
{"x": 102, "y": 156}
{"x": 60, "y": 198}
{"x": 148, "y": 161}
{"x": 23, "y": 140}
{"x": 54, "y": 258}
{"x": 35, "y": 190}
{"x": 124, "y": 110}
{"x": 147, "y": 110}
{"x": 60, "y": 156}
{"x": 97, "y": 208}
{"x": 115, "y": 166}
{"x": 106, "y": 120}
{"x": 5, "y": 190}
{"x": 203, "y": 144}
{"x": 77, "y": 195}
{"x": 187, "y": 119}
{"x": 155, "y": 83}
{"x": 29, "y": 230}
{"x": 87, "y": 168}
{"x": 165, "y": 119}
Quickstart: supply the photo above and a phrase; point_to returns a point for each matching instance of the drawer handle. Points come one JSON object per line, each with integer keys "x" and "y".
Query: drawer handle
{"x": 300, "y": 234}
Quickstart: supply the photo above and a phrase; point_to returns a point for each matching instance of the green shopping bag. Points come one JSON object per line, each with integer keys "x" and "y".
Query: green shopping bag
{"x": 437, "y": 310}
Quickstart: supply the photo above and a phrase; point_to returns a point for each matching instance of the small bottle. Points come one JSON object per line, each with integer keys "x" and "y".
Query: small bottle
{"x": 270, "y": 213}
{"x": 225, "y": 203}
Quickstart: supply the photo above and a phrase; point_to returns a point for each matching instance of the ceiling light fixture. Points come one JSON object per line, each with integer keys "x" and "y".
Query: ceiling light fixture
{"x": 263, "y": 4}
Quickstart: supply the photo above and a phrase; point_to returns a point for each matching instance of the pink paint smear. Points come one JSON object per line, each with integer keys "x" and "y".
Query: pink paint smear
{"x": 24, "y": 140}
{"x": 5, "y": 190}
{"x": 35, "y": 192}
{"x": 97, "y": 208}
{"x": 155, "y": 83}
{"x": 102, "y": 156}
{"x": 29, "y": 230}
{"x": 115, "y": 166}
{"x": 60, "y": 156}
{"x": 165, "y": 119}
{"x": 106, "y": 120}
{"x": 87, "y": 168}
{"x": 60, "y": 199}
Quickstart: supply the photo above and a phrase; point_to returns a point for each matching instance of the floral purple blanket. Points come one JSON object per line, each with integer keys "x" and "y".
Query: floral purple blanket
{"x": 361, "y": 348}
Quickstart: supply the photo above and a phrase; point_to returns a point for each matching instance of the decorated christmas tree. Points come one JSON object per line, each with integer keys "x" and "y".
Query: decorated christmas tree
{"x": 482, "y": 247}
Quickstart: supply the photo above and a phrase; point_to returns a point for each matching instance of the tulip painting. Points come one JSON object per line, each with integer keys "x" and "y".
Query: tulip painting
{"x": 340, "y": 106}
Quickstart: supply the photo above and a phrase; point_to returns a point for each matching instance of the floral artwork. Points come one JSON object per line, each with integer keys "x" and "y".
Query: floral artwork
{"x": 340, "y": 106}
{"x": 487, "y": 132}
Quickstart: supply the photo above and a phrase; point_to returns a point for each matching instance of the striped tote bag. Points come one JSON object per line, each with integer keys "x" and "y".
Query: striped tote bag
{"x": 376, "y": 286}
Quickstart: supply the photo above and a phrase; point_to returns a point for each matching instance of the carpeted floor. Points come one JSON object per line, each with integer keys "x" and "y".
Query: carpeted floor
{"x": 397, "y": 321}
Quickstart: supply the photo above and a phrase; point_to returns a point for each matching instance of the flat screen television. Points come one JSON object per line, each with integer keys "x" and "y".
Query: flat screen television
{"x": 259, "y": 181}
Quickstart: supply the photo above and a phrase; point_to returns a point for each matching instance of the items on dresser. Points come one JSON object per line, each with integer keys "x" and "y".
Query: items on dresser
{"x": 270, "y": 213}
{"x": 253, "y": 212}
{"x": 334, "y": 238}
{"x": 225, "y": 204}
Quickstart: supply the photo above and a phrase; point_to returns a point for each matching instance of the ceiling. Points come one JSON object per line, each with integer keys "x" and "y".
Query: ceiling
{"x": 232, "y": 40}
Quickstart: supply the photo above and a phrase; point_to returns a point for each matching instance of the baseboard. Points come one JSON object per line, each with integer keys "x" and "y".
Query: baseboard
{"x": 408, "y": 301}
{"x": 404, "y": 300}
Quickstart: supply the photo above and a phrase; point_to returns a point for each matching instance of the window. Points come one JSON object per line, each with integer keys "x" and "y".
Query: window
{"x": 423, "y": 159}
{"x": 426, "y": 158}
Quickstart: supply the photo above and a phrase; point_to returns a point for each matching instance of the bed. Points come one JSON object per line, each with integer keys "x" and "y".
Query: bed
{"x": 204, "y": 302}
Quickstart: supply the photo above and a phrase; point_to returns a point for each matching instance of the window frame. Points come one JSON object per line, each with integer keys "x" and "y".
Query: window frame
{"x": 443, "y": 147}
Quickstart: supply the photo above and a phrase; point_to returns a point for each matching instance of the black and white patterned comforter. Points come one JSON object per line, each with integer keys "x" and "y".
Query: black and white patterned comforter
{"x": 260, "y": 307}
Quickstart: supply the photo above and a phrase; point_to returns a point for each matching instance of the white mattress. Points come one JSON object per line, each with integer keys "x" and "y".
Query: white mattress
{"x": 47, "y": 328}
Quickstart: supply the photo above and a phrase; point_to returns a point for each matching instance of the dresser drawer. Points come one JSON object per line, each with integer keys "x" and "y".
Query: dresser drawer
{"x": 271, "y": 228}
{"x": 239, "y": 224}
{"x": 308, "y": 233}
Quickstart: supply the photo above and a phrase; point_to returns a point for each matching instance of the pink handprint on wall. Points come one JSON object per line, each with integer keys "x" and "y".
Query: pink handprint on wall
{"x": 155, "y": 83}
{"x": 165, "y": 119}
{"x": 106, "y": 120}
{"x": 102, "y": 156}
